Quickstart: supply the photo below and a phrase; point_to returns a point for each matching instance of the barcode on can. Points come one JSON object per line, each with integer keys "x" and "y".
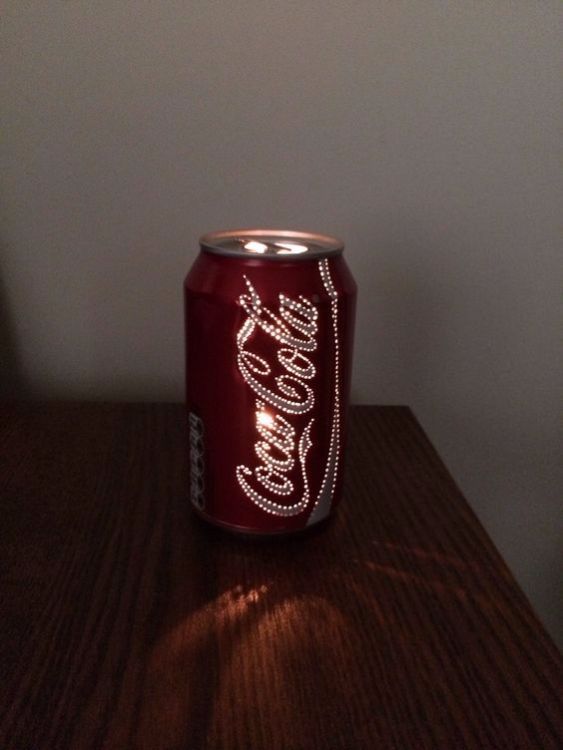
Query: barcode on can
{"x": 197, "y": 464}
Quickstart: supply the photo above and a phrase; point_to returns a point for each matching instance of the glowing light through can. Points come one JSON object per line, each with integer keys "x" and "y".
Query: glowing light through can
{"x": 270, "y": 473}
{"x": 268, "y": 336}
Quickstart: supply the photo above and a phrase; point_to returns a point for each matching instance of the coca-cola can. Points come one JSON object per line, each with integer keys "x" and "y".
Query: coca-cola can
{"x": 269, "y": 319}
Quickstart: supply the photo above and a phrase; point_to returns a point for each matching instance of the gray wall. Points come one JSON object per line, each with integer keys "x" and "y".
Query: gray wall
{"x": 424, "y": 132}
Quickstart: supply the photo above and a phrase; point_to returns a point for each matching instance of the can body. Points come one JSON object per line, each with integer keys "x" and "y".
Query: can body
{"x": 268, "y": 365}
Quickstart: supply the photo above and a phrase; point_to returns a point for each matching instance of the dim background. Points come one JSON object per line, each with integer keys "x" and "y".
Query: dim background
{"x": 426, "y": 133}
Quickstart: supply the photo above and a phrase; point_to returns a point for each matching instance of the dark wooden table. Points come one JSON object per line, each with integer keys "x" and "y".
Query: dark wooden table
{"x": 127, "y": 623}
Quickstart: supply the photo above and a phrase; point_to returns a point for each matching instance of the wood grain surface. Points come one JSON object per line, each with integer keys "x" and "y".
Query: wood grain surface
{"x": 125, "y": 622}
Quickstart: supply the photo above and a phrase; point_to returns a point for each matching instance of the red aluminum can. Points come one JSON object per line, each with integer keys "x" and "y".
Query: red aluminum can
{"x": 269, "y": 321}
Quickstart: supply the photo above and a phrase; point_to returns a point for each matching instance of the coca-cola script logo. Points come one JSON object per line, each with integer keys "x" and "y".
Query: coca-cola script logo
{"x": 294, "y": 328}
{"x": 284, "y": 401}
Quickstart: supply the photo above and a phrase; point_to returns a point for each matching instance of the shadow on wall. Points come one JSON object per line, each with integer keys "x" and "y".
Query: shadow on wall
{"x": 12, "y": 379}
{"x": 407, "y": 339}
{"x": 433, "y": 334}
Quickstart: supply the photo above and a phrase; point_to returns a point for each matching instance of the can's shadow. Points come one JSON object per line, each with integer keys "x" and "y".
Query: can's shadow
{"x": 12, "y": 378}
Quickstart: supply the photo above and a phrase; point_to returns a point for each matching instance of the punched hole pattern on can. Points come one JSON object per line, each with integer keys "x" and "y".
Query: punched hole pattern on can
{"x": 295, "y": 327}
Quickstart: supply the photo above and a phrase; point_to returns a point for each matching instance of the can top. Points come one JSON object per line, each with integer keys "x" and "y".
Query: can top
{"x": 271, "y": 244}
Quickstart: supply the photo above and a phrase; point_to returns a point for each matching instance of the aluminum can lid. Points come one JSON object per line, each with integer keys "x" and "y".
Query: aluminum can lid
{"x": 271, "y": 244}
